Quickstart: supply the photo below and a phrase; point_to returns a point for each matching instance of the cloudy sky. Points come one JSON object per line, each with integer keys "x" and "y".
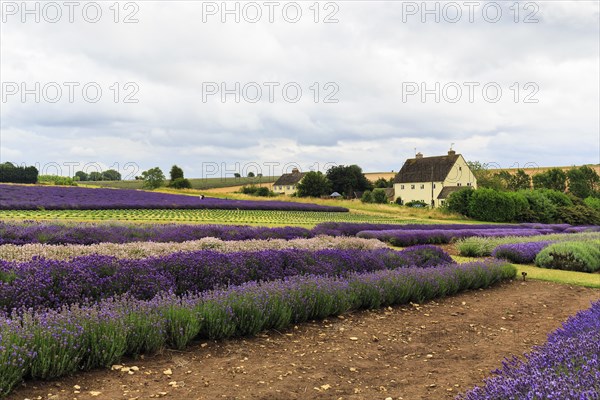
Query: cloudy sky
{"x": 223, "y": 87}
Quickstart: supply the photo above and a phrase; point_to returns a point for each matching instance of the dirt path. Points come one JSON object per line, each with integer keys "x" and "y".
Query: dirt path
{"x": 429, "y": 351}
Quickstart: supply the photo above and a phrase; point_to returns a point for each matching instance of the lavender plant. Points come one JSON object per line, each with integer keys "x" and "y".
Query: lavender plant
{"x": 439, "y": 236}
{"x": 86, "y": 233}
{"x": 566, "y": 367}
{"x": 520, "y": 253}
{"x": 137, "y": 250}
{"x": 41, "y": 283}
{"x": 583, "y": 256}
{"x": 483, "y": 246}
{"x": 50, "y": 343}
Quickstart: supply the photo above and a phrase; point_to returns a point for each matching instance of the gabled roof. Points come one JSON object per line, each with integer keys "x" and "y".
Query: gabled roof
{"x": 289, "y": 179}
{"x": 448, "y": 190}
{"x": 426, "y": 169}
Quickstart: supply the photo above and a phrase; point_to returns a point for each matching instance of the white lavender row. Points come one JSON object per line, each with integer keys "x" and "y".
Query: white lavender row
{"x": 10, "y": 252}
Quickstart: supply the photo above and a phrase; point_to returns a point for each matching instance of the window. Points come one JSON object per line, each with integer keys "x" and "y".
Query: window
{"x": 442, "y": 202}
{"x": 422, "y": 186}
{"x": 459, "y": 184}
{"x": 288, "y": 188}
{"x": 434, "y": 185}
{"x": 460, "y": 168}
{"x": 468, "y": 183}
{"x": 412, "y": 186}
{"x": 402, "y": 187}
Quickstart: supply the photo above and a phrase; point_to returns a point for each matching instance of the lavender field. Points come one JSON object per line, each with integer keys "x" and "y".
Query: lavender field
{"x": 76, "y": 296}
{"x": 31, "y": 197}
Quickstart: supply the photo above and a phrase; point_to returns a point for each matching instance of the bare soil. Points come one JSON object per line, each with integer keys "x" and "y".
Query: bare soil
{"x": 428, "y": 351}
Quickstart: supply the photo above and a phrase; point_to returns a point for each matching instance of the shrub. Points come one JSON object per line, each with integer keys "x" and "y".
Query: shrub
{"x": 541, "y": 208}
{"x": 257, "y": 191}
{"x": 557, "y": 198}
{"x": 367, "y": 197}
{"x": 491, "y": 205}
{"x": 416, "y": 204}
{"x": 379, "y": 196}
{"x": 578, "y": 215}
{"x": 475, "y": 247}
{"x": 592, "y": 202}
{"x": 181, "y": 183}
{"x": 522, "y": 211}
{"x": 458, "y": 201}
{"x": 56, "y": 180}
{"x": 571, "y": 256}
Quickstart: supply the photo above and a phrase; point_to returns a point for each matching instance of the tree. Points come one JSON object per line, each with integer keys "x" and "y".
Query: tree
{"x": 111, "y": 175}
{"x": 367, "y": 197}
{"x": 554, "y": 178}
{"x": 314, "y": 184}
{"x": 180, "y": 183}
{"x": 513, "y": 182}
{"x": 520, "y": 181}
{"x": 81, "y": 176}
{"x": 382, "y": 183}
{"x": 251, "y": 174}
{"x": 95, "y": 176}
{"x": 153, "y": 178}
{"x": 13, "y": 174}
{"x": 485, "y": 178}
{"x": 348, "y": 179}
{"x": 176, "y": 173}
{"x": 237, "y": 175}
{"x": 583, "y": 181}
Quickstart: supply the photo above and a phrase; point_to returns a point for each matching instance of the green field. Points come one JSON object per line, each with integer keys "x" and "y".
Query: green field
{"x": 250, "y": 217}
{"x": 555, "y": 275}
{"x": 550, "y": 275}
{"x": 200, "y": 183}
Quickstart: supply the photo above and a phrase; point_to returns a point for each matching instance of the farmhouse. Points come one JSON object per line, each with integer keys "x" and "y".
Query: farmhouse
{"x": 287, "y": 183}
{"x": 432, "y": 179}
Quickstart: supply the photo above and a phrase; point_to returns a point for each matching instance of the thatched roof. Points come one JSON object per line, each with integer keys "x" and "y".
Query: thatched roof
{"x": 426, "y": 169}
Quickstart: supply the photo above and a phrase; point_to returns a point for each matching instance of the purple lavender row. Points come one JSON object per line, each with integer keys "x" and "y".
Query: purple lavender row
{"x": 567, "y": 367}
{"x": 520, "y": 253}
{"x": 42, "y": 283}
{"x": 405, "y": 238}
{"x": 49, "y": 344}
{"x": 21, "y": 197}
{"x": 87, "y": 233}
{"x": 351, "y": 229}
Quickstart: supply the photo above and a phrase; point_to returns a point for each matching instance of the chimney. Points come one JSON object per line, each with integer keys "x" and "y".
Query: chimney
{"x": 419, "y": 155}
{"x": 295, "y": 171}
{"x": 451, "y": 152}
